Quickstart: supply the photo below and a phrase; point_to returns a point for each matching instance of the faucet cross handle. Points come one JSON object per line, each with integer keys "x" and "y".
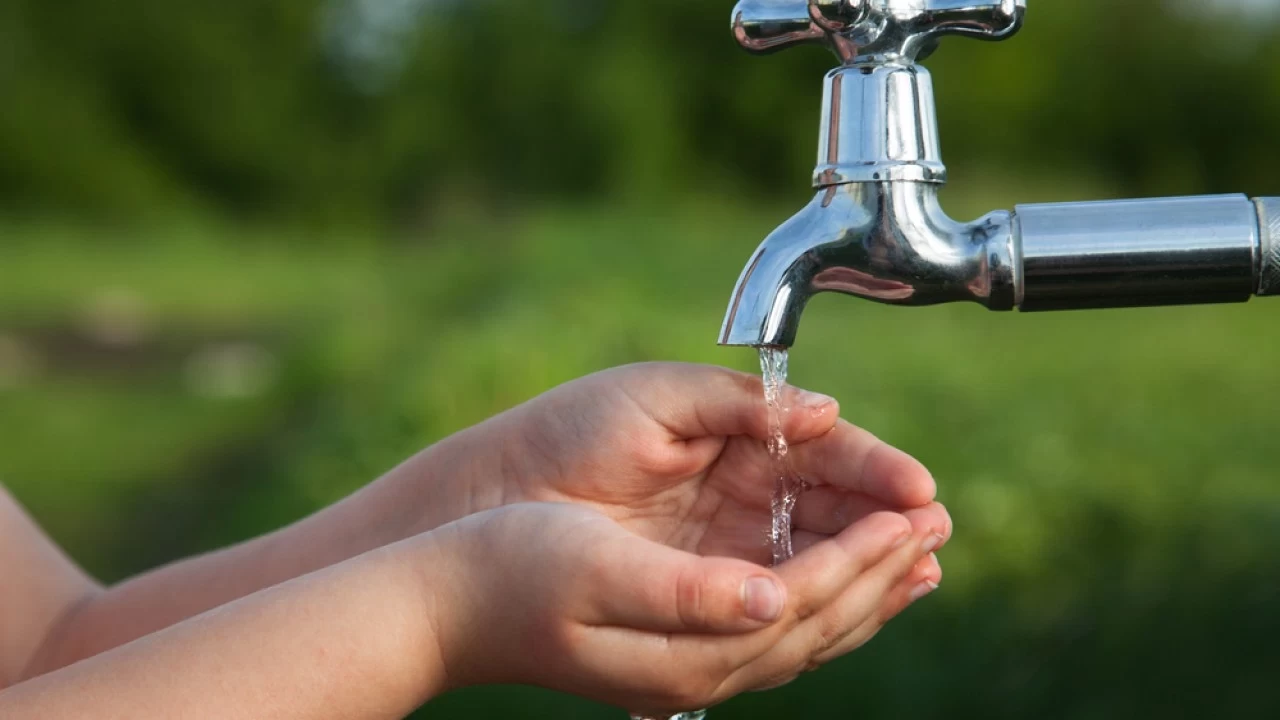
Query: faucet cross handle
{"x": 883, "y": 30}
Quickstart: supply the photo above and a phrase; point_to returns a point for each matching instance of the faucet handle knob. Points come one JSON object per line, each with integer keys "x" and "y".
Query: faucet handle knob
{"x": 911, "y": 29}
{"x": 766, "y": 26}
{"x": 894, "y": 29}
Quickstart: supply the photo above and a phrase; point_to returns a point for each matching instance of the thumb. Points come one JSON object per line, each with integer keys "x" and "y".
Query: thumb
{"x": 696, "y": 401}
{"x": 652, "y": 587}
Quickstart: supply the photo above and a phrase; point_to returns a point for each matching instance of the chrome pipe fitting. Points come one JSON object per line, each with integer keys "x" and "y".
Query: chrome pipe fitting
{"x": 875, "y": 228}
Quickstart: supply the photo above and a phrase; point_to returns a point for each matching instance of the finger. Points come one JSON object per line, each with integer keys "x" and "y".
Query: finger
{"x": 851, "y": 458}
{"x": 927, "y": 574}
{"x": 923, "y": 580}
{"x": 776, "y": 683}
{"x": 863, "y": 603}
{"x": 648, "y": 586}
{"x": 802, "y": 540}
{"x": 829, "y": 510}
{"x": 933, "y": 516}
{"x": 819, "y": 575}
{"x": 696, "y": 401}
{"x": 812, "y": 638}
{"x": 725, "y": 657}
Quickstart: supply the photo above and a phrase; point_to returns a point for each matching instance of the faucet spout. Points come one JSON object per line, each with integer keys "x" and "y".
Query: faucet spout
{"x": 892, "y": 243}
{"x": 889, "y": 242}
{"x": 875, "y": 228}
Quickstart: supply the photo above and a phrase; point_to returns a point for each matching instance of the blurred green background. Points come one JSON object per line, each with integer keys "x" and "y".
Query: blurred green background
{"x": 255, "y": 252}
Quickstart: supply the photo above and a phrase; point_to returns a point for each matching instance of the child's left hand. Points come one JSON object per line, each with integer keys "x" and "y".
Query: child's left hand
{"x": 676, "y": 453}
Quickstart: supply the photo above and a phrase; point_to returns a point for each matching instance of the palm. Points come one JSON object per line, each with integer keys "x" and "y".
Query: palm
{"x": 728, "y": 507}
{"x": 700, "y": 478}
{"x": 721, "y": 508}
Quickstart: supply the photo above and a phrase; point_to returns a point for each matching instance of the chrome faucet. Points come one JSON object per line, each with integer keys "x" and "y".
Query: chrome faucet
{"x": 876, "y": 230}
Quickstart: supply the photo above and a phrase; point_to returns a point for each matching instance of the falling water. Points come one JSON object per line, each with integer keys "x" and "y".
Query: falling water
{"x": 787, "y": 485}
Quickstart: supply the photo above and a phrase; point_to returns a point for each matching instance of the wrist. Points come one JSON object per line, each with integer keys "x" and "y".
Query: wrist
{"x": 464, "y": 474}
{"x": 421, "y": 571}
{"x": 451, "y": 601}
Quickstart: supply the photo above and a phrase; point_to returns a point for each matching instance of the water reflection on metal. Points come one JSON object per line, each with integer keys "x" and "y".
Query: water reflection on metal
{"x": 898, "y": 30}
{"x": 889, "y": 242}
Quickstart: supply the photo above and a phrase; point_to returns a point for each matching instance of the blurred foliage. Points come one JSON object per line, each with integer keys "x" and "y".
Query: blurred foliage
{"x": 256, "y": 253}
{"x": 1112, "y": 475}
{"x": 279, "y": 109}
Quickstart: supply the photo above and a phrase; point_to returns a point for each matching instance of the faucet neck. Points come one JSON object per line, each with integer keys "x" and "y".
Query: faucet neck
{"x": 879, "y": 124}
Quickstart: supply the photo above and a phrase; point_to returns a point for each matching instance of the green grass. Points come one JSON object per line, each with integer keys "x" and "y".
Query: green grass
{"x": 1111, "y": 474}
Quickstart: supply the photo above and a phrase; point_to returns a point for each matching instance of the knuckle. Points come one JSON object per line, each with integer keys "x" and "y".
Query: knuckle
{"x": 790, "y": 663}
{"x": 896, "y": 522}
{"x": 849, "y": 644}
{"x": 691, "y": 598}
{"x": 829, "y": 632}
{"x": 805, "y": 609}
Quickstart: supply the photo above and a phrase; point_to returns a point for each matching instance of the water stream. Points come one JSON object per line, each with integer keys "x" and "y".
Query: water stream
{"x": 787, "y": 484}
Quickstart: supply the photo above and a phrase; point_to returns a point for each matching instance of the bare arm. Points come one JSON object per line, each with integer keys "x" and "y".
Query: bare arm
{"x": 56, "y": 617}
{"x": 428, "y": 490}
{"x": 39, "y": 589}
{"x": 353, "y": 640}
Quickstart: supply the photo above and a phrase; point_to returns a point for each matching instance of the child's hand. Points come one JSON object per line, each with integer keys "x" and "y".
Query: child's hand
{"x": 676, "y": 453}
{"x": 562, "y": 597}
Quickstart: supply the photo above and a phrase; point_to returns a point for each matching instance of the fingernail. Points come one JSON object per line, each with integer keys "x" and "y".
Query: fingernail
{"x": 816, "y": 403}
{"x": 922, "y": 589}
{"x": 762, "y": 599}
{"x": 902, "y": 540}
{"x": 931, "y": 542}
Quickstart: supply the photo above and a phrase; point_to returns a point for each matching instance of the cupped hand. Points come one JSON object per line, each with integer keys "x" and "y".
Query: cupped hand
{"x": 561, "y": 596}
{"x": 676, "y": 453}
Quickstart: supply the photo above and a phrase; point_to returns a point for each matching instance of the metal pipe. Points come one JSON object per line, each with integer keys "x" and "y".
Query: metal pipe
{"x": 891, "y": 243}
{"x": 1171, "y": 251}
{"x": 875, "y": 228}
{"x": 877, "y": 126}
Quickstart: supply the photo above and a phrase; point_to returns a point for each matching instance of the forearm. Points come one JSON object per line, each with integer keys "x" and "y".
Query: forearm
{"x": 355, "y": 641}
{"x": 431, "y": 489}
{"x": 39, "y": 589}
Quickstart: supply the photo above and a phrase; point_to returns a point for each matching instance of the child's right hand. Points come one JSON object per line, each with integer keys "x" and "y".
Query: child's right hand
{"x": 562, "y": 597}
